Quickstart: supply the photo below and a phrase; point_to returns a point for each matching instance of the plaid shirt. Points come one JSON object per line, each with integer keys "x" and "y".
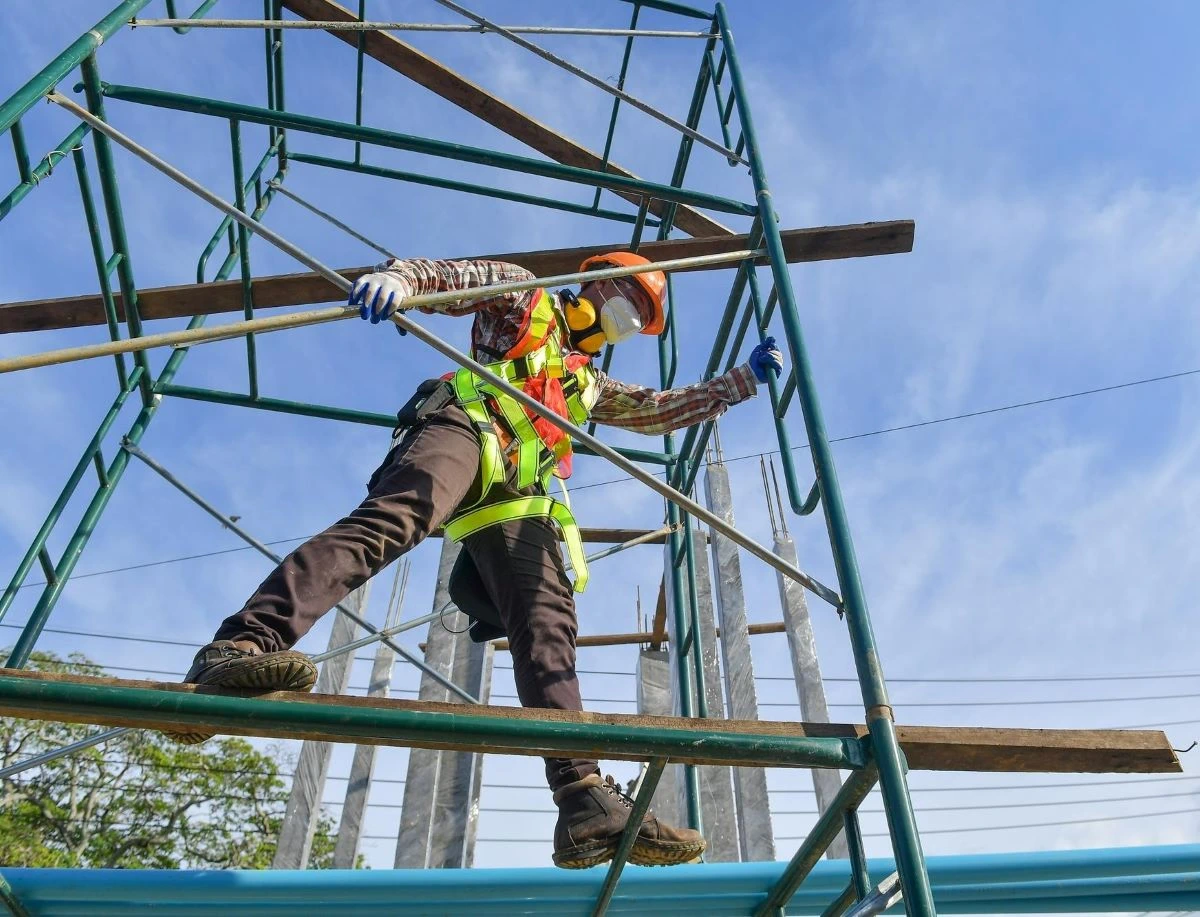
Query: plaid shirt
{"x": 497, "y": 325}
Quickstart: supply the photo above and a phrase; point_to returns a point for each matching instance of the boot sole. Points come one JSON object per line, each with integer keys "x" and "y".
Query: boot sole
{"x": 584, "y": 857}
{"x": 286, "y": 671}
{"x": 664, "y": 853}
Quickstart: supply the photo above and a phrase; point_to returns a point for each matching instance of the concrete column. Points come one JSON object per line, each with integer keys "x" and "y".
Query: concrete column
{"x": 441, "y": 793}
{"x": 716, "y": 787}
{"x": 654, "y": 699}
{"x": 304, "y": 803}
{"x": 807, "y": 671}
{"x": 755, "y": 834}
{"x": 363, "y": 766}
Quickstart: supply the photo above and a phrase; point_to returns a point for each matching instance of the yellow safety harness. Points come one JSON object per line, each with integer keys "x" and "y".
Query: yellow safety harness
{"x": 539, "y": 354}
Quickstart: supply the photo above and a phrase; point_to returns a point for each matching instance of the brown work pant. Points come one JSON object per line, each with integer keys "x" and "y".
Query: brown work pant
{"x": 421, "y": 482}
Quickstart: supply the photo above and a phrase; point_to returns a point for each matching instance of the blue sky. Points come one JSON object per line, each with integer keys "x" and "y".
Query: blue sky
{"x": 1044, "y": 151}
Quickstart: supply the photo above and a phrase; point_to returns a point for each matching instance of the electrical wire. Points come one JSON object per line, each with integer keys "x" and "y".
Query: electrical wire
{"x": 738, "y": 458}
{"x": 1044, "y": 824}
{"x": 192, "y": 644}
{"x": 924, "y": 831}
{"x": 929, "y": 423}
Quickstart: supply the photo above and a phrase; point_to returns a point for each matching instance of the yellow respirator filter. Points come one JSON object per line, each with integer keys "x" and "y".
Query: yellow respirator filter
{"x": 582, "y": 317}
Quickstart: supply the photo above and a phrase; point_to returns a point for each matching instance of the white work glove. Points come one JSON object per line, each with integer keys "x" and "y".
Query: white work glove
{"x": 378, "y": 295}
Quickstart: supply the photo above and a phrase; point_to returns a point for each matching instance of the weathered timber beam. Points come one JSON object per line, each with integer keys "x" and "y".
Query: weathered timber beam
{"x": 825, "y": 243}
{"x": 659, "y": 627}
{"x": 454, "y": 87}
{"x": 384, "y": 721}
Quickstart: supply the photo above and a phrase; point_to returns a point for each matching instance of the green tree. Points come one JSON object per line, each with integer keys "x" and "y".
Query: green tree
{"x": 141, "y": 800}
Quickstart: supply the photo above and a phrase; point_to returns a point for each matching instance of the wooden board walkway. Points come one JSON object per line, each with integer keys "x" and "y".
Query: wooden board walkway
{"x": 513, "y": 730}
{"x": 820, "y": 244}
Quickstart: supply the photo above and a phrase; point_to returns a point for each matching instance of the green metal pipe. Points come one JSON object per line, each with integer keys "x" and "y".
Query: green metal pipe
{"x": 860, "y": 873}
{"x": 53, "y": 73}
{"x": 839, "y": 905}
{"x": 460, "y": 152}
{"x": 633, "y": 824}
{"x": 277, "y": 405}
{"x": 358, "y": 79}
{"x": 414, "y": 725}
{"x": 368, "y": 418}
{"x": 616, "y": 106}
{"x": 722, "y": 109}
{"x": 102, "y": 265}
{"x": 696, "y": 641}
{"x": 42, "y": 169}
{"x": 668, "y": 372}
{"x": 226, "y": 223}
{"x": 116, "y": 220}
{"x": 684, "y": 671}
{"x": 832, "y": 820}
{"x": 83, "y": 531}
{"x": 276, "y": 559}
{"x": 667, "y": 6}
{"x": 277, "y": 60}
{"x": 239, "y": 201}
{"x": 739, "y": 336}
{"x": 64, "y": 497}
{"x": 9, "y": 899}
{"x": 466, "y": 187}
{"x": 897, "y": 801}
{"x": 200, "y": 11}
{"x": 272, "y": 130}
{"x": 807, "y": 505}
{"x": 21, "y": 151}
{"x": 688, "y": 449}
{"x": 785, "y": 397}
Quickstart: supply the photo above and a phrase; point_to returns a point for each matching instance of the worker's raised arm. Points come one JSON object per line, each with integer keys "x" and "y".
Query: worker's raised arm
{"x": 381, "y": 292}
{"x": 637, "y": 407}
{"x": 646, "y": 410}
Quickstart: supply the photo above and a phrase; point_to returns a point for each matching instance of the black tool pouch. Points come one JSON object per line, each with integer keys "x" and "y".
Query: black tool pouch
{"x": 430, "y": 397}
{"x": 468, "y": 592}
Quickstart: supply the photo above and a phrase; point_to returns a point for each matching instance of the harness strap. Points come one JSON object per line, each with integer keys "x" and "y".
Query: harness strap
{"x": 527, "y": 508}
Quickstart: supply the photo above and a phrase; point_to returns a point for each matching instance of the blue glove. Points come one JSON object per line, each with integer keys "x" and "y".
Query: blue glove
{"x": 378, "y": 295}
{"x": 766, "y": 356}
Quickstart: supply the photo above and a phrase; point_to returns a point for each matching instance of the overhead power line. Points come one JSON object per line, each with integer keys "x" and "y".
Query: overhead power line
{"x": 1041, "y": 824}
{"x": 738, "y": 458}
{"x": 924, "y": 831}
{"x": 193, "y": 644}
{"x": 934, "y": 422}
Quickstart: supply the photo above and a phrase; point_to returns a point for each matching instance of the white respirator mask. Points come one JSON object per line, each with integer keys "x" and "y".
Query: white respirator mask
{"x": 620, "y": 319}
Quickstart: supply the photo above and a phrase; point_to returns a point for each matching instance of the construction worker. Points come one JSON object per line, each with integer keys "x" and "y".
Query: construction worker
{"x": 468, "y": 456}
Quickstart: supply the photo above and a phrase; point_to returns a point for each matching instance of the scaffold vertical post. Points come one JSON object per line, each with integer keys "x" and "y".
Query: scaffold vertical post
{"x": 906, "y": 842}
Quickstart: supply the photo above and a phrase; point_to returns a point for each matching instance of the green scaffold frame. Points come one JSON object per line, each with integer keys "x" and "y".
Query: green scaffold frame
{"x": 748, "y": 313}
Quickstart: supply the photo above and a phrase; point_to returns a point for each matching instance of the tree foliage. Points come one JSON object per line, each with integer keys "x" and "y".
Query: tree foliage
{"x": 141, "y": 801}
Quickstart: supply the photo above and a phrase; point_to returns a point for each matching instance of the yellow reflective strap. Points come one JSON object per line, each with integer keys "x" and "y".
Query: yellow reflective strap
{"x": 491, "y": 457}
{"x": 529, "y": 445}
{"x": 475, "y": 520}
{"x": 541, "y": 317}
{"x": 562, "y": 514}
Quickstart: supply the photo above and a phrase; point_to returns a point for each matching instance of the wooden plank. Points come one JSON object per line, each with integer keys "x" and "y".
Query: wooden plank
{"x": 454, "y": 87}
{"x": 820, "y": 244}
{"x": 659, "y": 627}
{"x": 940, "y": 748}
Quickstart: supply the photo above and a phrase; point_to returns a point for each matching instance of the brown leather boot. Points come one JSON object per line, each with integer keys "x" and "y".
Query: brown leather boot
{"x": 592, "y": 814}
{"x": 241, "y": 664}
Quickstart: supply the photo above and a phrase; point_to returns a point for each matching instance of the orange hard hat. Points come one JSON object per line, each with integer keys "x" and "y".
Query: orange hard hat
{"x": 653, "y": 283}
